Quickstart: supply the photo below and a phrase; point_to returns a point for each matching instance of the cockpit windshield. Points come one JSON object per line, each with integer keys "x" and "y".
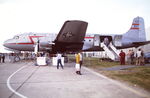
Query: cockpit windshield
{"x": 16, "y": 37}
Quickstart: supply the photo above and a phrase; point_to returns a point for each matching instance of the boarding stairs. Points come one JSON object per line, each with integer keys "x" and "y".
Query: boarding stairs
{"x": 111, "y": 51}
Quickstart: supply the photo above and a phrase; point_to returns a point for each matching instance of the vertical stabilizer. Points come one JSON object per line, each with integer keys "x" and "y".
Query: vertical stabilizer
{"x": 71, "y": 36}
{"x": 136, "y": 32}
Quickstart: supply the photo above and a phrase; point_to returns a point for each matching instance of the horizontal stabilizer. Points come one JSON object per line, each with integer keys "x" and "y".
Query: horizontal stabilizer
{"x": 141, "y": 43}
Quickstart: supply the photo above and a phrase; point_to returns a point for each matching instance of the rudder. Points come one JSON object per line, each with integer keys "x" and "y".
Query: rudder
{"x": 71, "y": 36}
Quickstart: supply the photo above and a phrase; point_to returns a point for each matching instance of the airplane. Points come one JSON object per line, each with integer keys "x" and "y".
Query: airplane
{"x": 70, "y": 38}
{"x": 135, "y": 37}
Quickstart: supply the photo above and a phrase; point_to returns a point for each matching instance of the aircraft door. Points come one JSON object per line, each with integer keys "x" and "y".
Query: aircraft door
{"x": 96, "y": 40}
{"x": 104, "y": 37}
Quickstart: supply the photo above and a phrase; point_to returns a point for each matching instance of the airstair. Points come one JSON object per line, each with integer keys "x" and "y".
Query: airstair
{"x": 111, "y": 51}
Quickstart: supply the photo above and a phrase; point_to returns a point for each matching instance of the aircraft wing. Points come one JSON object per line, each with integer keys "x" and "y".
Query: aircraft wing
{"x": 141, "y": 43}
{"x": 70, "y": 37}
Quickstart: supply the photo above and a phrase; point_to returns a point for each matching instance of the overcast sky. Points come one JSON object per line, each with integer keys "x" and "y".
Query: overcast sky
{"x": 48, "y": 16}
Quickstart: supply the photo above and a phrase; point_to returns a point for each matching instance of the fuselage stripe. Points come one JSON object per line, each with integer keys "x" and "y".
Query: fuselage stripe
{"x": 135, "y": 28}
{"x": 88, "y": 37}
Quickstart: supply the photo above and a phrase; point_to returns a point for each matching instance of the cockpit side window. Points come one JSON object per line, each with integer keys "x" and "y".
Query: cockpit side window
{"x": 16, "y": 37}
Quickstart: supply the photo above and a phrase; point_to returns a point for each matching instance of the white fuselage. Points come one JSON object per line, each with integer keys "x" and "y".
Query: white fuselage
{"x": 27, "y": 41}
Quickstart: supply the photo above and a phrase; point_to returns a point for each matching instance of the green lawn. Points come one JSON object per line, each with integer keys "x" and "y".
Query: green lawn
{"x": 139, "y": 76}
{"x": 96, "y": 62}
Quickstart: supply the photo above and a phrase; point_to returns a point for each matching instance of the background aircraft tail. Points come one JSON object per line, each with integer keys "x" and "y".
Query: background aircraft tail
{"x": 137, "y": 31}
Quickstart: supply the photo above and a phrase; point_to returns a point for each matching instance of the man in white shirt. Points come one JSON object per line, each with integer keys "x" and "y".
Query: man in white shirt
{"x": 59, "y": 60}
{"x": 138, "y": 57}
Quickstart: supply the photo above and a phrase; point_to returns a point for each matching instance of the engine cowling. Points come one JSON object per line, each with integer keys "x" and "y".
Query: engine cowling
{"x": 46, "y": 44}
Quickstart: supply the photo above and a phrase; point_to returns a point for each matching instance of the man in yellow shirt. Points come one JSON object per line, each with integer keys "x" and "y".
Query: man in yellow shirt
{"x": 78, "y": 63}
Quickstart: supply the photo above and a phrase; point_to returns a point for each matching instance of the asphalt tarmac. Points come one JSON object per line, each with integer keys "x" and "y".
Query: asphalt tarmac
{"x": 25, "y": 80}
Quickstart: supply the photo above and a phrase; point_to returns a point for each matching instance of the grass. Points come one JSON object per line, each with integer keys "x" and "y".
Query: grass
{"x": 96, "y": 62}
{"x": 139, "y": 76}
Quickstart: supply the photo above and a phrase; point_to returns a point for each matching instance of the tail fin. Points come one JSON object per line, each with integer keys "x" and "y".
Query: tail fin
{"x": 72, "y": 31}
{"x": 71, "y": 36}
{"x": 137, "y": 31}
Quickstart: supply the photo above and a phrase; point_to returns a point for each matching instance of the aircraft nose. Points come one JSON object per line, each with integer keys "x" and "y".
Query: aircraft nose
{"x": 7, "y": 43}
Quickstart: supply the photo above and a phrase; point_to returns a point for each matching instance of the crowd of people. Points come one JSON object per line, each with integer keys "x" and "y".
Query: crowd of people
{"x": 129, "y": 58}
{"x": 132, "y": 58}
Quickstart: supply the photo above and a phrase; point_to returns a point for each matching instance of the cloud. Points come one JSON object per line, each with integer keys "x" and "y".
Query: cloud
{"x": 9, "y": 1}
